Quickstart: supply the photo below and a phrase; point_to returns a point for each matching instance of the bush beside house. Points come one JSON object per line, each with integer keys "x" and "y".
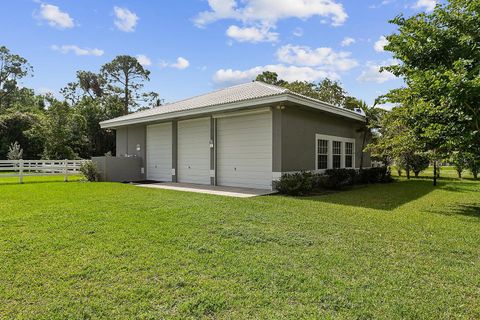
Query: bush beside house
{"x": 304, "y": 183}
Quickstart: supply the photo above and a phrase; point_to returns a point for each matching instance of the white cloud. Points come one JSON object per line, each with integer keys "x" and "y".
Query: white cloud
{"x": 251, "y": 34}
{"x": 427, "y": 5}
{"x": 348, "y": 41}
{"x": 383, "y": 3}
{"x": 380, "y": 44}
{"x": 78, "y": 51}
{"x": 144, "y": 60}
{"x": 298, "y": 32}
{"x": 181, "y": 63}
{"x": 55, "y": 17}
{"x": 288, "y": 73}
{"x": 268, "y": 12}
{"x": 372, "y": 73}
{"x": 259, "y": 17}
{"x": 325, "y": 58}
{"x": 125, "y": 20}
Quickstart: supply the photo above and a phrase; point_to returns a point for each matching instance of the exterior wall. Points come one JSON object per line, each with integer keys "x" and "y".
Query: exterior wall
{"x": 127, "y": 139}
{"x": 174, "y": 150}
{"x": 119, "y": 169}
{"x": 298, "y": 130}
{"x": 293, "y": 140}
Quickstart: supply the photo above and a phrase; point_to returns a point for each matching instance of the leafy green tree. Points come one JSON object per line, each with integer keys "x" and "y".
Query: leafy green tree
{"x": 373, "y": 123}
{"x": 270, "y": 78}
{"x": 396, "y": 142}
{"x": 419, "y": 162}
{"x": 12, "y": 68}
{"x": 473, "y": 164}
{"x": 93, "y": 111}
{"x": 26, "y": 128}
{"x": 88, "y": 84}
{"x": 438, "y": 58}
{"x": 327, "y": 90}
{"x": 64, "y": 132}
{"x": 459, "y": 161}
{"x": 125, "y": 77}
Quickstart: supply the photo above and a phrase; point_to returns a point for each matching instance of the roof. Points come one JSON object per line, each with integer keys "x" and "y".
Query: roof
{"x": 252, "y": 93}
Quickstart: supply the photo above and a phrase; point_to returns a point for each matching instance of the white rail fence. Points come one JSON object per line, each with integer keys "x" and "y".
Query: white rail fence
{"x": 26, "y": 168}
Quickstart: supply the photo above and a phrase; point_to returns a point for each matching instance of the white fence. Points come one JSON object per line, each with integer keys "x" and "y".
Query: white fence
{"x": 25, "y": 168}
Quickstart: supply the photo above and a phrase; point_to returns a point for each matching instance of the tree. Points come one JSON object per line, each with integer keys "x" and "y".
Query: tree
{"x": 373, "y": 116}
{"x": 459, "y": 161}
{"x": 473, "y": 164}
{"x": 327, "y": 90}
{"x": 12, "y": 68}
{"x": 64, "y": 132}
{"x": 419, "y": 162}
{"x": 88, "y": 84}
{"x": 125, "y": 77}
{"x": 439, "y": 62}
{"x": 26, "y": 128}
{"x": 270, "y": 78}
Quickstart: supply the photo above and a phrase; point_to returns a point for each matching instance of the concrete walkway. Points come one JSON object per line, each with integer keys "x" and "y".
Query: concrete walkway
{"x": 208, "y": 189}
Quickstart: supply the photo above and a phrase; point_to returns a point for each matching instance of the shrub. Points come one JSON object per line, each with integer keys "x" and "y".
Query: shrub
{"x": 375, "y": 175}
{"x": 339, "y": 178}
{"x": 295, "y": 184}
{"x": 419, "y": 162}
{"x": 89, "y": 171}
{"x": 15, "y": 152}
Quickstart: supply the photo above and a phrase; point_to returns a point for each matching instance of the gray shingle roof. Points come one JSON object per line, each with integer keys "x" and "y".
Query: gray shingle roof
{"x": 226, "y": 99}
{"x": 243, "y": 92}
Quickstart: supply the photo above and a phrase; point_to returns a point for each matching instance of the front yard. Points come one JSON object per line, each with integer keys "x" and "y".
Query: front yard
{"x": 98, "y": 250}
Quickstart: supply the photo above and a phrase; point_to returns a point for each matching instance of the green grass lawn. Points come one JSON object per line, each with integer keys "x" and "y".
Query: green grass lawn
{"x": 99, "y": 250}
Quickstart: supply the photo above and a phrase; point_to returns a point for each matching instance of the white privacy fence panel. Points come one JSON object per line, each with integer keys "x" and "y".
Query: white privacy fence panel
{"x": 25, "y": 168}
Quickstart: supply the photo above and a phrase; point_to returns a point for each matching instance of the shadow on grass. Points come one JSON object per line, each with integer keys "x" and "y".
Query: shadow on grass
{"x": 469, "y": 210}
{"x": 380, "y": 196}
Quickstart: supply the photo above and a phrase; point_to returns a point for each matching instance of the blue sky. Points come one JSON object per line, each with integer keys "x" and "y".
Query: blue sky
{"x": 195, "y": 46}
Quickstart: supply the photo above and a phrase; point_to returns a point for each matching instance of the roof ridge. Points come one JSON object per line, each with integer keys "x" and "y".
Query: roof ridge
{"x": 189, "y": 98}
{"x": 273, "y": 86}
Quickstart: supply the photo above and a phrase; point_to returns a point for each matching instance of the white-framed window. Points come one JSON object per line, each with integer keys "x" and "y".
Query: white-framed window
{"x": 334, "y": 152}
{"x": 322, "y": 154}
{"x": 348, "y": 155}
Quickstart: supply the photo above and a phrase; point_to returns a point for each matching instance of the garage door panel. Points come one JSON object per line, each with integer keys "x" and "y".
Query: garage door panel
{"x": 159, "y": 152}
{"x": 244, "y": 151}
{"x": 194, "y": 151}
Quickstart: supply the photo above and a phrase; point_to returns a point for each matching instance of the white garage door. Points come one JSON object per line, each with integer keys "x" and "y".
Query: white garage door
{"x": 194, "y": 151}
{"x": 159, "y": 152}
{"x": 244, "y": 151}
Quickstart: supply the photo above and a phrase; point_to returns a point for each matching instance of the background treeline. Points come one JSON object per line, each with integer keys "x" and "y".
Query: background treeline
{"x": 51, "y": 128}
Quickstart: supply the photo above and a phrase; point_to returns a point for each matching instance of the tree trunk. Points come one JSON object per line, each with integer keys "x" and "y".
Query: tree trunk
{"x": 407, "y": 169}
{"x": 459, "y": 174}
{"x": 417, "y": 174}
{"x": 434, "y": 172}
{"x": 126, "y": 92}
{"x": 363, "y": 146}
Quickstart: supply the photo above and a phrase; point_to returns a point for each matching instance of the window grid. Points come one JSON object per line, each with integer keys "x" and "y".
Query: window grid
{"x": 322, "y": 157}
{"x": 337, "y": 154}
{"x": 348, "y": 155}
{"x": 334, "y": 152}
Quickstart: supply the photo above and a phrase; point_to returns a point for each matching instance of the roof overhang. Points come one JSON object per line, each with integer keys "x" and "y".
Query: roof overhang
{"x": 252, "y": 103}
